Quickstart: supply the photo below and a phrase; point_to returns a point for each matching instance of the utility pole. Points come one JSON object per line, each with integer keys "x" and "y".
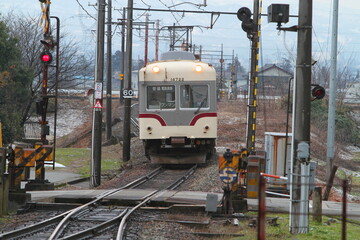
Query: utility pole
{"x": 301, "y": 119}
{"x": 332, "y": 95}
{"x": 146, "y": 38}
{"x": 157, "y": 41}
{"x": 95, "y": 178}
{"x": 231, "y": 79}
{"x": 108, "y": 75}
{"x": 127, "y": 77}
{"x": 122, "y": 66}
{"x": 221, "y": 71}
{"x": 235, "y": 78}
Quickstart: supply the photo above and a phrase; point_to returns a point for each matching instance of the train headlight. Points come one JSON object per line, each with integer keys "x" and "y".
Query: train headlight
{"x": 198, "y": 68}
{"x": 156, "y": 69}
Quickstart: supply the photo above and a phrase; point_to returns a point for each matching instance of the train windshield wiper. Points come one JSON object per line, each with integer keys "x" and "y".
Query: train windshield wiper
{"x": 201, "y": 105}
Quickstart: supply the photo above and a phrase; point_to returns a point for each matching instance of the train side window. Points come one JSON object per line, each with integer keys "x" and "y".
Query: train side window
{"x": 194, "y": 96}
{"x": 161, "y": 97}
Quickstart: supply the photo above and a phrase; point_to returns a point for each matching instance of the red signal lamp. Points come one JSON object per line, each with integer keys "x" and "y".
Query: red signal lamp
{"x": 318, "y": 92}
{"x": 46, "y": 57}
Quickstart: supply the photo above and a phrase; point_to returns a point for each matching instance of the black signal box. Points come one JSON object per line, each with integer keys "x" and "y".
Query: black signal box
{"x": 278, "y": 13}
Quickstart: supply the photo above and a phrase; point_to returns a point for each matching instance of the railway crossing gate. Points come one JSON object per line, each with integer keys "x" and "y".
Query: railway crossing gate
{"x": 240, "y": 173}
{"x": 22, "y": 159}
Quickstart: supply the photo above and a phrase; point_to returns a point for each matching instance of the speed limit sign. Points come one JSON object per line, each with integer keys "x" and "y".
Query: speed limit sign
{"x": 128, "y": 93}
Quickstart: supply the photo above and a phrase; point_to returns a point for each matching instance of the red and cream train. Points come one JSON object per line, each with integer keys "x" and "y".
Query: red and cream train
{"x": 177, "y": 109}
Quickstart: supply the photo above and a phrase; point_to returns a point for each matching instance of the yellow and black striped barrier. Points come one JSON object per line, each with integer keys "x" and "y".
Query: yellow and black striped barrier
{"x": 254, "y": 168}
{"x": 43, "y": 153}
{"x": 29, "y": 157}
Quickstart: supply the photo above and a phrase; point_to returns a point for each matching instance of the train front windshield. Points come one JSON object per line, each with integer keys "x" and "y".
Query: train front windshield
{"x": 161, "y": 97}
{"x": 191, "y": 97}
{"x": 194, "y": 96}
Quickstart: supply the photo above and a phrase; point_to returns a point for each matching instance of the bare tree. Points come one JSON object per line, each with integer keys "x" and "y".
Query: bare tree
{"x": 345, "y": 76}
{"x": 72, "y": 63}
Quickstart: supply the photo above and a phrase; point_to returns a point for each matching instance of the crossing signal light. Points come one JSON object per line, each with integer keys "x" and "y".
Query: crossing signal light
{"x": 318, "y": 92}
{"x": 244, "y": 14}
{"x": 248, "y": 25}
{"x": 46, "y": 57}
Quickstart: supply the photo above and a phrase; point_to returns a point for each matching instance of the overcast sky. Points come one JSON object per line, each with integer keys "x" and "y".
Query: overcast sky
{"x": 79, "y": 23}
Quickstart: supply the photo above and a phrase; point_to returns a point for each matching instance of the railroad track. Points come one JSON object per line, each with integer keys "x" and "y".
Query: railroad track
{"x": 93, "y": 219}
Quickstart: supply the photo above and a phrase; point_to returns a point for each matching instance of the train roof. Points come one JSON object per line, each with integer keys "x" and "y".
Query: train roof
{"x": 177, "y": 70}
{"x": 177, "y": 55}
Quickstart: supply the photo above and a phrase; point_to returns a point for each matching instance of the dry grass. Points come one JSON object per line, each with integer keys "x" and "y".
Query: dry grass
{"x": 232, "y": 118}
{"x": 271, "y": 117}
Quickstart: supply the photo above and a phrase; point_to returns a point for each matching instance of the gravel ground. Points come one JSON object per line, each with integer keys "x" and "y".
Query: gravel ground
{"x": 162, "y": 225}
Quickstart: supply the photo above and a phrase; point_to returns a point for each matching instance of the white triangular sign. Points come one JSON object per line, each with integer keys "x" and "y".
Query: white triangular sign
{"x": 97, "y": 104}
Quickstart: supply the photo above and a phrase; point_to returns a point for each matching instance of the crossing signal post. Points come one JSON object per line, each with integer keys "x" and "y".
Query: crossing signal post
{"x": 252, "y": 27}
{"x": 46, "y": 59}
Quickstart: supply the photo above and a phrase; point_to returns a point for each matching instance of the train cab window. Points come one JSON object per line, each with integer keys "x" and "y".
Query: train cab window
{"x": 194, "y": 96}
{"x": 161, "y": 97}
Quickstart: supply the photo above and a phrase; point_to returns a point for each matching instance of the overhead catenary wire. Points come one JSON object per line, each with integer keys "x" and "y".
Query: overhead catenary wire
{"x": 149, "y": 6}
{"x": 82, "y": 7}
{"x": 172, "y": 13}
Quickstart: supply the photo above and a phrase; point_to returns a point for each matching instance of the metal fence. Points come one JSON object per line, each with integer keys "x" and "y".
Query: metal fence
{"x": 341, "y": 209}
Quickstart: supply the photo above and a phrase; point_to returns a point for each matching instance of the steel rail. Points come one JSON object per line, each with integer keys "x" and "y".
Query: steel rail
{"x": 182, "y": 179}
{"x": 32, "y": 228}
{"x": 143, "y": 179}
{"x": 59, "y": 219}
{"x": 98, "y": 229}
{"x": 177, "y": 182}
{"x": 65, "y": 221}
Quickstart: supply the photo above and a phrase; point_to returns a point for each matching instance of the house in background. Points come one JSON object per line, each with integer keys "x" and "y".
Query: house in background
{"x": 273, "y": 80}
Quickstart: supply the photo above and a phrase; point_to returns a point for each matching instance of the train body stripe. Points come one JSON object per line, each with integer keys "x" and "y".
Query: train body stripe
{"x": 202, "y": 115}
{"x": 151, "y": 115}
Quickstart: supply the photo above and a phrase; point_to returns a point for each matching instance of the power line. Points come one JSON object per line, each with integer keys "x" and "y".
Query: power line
{"x": 82, "y": 7}
{"x": 172, "y": 12}
{"x": 146, "y": 4}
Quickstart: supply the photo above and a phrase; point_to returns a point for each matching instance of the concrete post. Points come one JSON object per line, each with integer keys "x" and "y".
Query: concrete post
{"x": 108, "y": 75}
{"x": 95, "y": 177}
{"x": 317, "y": 205}
{"x": 301, "y": 118}
{"x": 332, "y": 96}
{"x": 127, "y": 105}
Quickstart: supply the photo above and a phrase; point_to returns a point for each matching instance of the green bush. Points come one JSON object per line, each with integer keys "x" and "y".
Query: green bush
{"x": 345, "y": 125}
